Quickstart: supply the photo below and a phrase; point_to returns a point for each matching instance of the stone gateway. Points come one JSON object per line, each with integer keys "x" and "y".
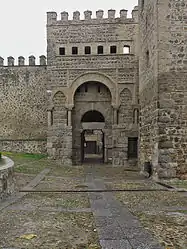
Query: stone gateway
{"x": 113, "y": 90}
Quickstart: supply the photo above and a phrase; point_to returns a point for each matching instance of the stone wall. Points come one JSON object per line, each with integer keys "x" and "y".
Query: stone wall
{"x": 27, "y": 146}
{"x": 23, "y": 108}
{"x": 7, "y": 181}
{"x": 172, "y": 88}
{"x": 148, "y": 88}
{"x": 163, "y": 90}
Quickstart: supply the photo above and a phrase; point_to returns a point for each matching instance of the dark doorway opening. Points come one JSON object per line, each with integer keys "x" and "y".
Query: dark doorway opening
{"x": 93, "y": 138}
{"x": 132, "y": 147}
{"x": 92, "y": 146}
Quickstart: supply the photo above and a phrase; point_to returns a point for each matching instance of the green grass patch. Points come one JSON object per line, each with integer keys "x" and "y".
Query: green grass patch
{"x": 24, "y": 155}
{"x": 27, "y": 163}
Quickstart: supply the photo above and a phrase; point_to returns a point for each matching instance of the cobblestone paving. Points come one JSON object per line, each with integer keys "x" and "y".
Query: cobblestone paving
{"x": 117, "y": 227}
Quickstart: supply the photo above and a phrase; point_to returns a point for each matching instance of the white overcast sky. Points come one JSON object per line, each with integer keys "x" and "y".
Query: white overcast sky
{"x": 23, "y": 22}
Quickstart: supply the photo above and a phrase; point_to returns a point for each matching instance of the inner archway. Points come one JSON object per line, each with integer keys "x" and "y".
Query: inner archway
{"x": 92, "y": 118}
{"x": 92, "y": 137}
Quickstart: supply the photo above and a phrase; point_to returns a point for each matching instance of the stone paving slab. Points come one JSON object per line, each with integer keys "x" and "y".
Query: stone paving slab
{"x": 126, "y": 223}
{"x": 36, "y": 180}
{"x": 102, "y": 212}
{"x": 143, "y": 243}
{"x": 115, "y": 244}
{"x": 110, "y": 232}
{"x": 108, "y": 228}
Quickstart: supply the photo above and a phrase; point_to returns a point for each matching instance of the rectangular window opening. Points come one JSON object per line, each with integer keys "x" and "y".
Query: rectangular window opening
{"x": 126, "y": 50}
{"x": 100, "y": 49}
{"x": 132, "y": 147}
{"x": 62, "y": 51}
{"x": 113, "y": 49}
{"x": 87, "y": 50}
{"x": 74, "y": 50}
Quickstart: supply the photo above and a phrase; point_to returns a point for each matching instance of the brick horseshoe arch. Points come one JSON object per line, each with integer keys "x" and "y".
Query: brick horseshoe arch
{"x": 98, "y": 77}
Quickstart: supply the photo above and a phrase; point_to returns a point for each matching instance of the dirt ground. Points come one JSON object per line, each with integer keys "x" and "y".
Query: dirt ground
{"x": 163, "y": 213}
{"x": 57, "y": 220}
{"x": 48, "y": 220}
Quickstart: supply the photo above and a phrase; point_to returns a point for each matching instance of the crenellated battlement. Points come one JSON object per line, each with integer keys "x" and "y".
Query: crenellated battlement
{"x": 52, "y": 17}
{"x": 21, "y": 61}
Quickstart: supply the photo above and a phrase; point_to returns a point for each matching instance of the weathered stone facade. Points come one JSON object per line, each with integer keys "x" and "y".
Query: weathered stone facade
{"x": 114, "y": 72}
{"x": 163, "y": 85}
{"x": 120, "y": 67}
{"x": 23, "y": 106}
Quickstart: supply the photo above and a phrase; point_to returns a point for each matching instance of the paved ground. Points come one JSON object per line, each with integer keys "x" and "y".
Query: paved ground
{"x": 82, "y": 219}
{"x": 117, "y": 227}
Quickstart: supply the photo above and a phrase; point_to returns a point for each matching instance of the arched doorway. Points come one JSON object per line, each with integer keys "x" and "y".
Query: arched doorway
{"x": 92, "y": 137}
{"x": 92, "y": 117}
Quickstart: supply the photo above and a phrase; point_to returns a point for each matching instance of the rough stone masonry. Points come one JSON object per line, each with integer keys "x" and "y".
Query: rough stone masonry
{"x": 132, "y": 71}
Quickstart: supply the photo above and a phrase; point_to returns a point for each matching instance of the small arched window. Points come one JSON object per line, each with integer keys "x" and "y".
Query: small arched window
{"x": 126, "y": 49}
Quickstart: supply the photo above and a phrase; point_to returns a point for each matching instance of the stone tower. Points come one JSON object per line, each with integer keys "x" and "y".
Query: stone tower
{"x": 93, "y": 80}
{"x": 163, "y": 85}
